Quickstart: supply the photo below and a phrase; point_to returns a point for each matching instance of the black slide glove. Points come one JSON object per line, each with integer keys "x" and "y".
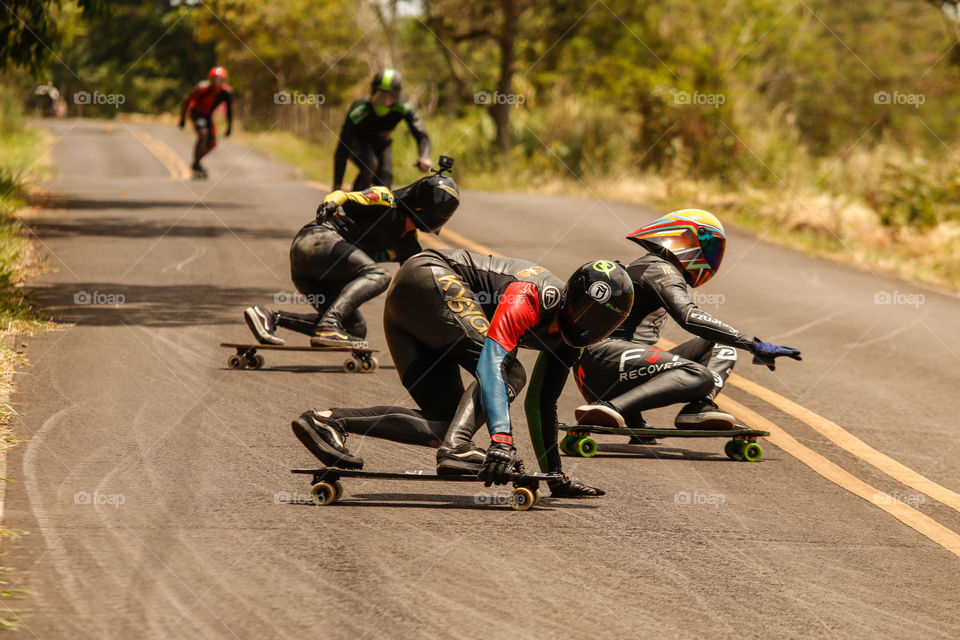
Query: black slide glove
{"x": 572, "y": 488}
{"x": 328, "y": 210}
{"x": 766, "y": 353}
{"x": 501, "y": 460}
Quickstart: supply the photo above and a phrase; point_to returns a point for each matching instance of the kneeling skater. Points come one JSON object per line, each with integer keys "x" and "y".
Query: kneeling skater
{"x": 626, "y": 374}
{"x": 333, "y": 259}
{"x": 452, "y": 308}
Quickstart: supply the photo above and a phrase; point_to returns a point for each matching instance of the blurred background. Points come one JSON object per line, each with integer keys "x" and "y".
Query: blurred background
{"x": 828, "y": 125}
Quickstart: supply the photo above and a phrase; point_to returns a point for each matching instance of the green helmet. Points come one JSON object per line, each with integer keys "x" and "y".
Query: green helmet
{"x": 387, "y": 80}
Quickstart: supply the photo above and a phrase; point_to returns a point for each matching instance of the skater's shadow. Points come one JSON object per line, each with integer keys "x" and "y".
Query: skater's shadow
{"x": 322, "y": 368}
{"x": 657, "y": 452}
{"x": 482, "y": 500}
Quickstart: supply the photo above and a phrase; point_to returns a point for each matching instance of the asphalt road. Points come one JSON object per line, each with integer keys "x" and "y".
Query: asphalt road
{"x": 155, "y": 487}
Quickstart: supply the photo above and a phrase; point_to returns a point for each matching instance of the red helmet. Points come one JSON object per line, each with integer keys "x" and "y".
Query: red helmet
{"x": 693, "y": 239}
{"x": 218, "y": 72}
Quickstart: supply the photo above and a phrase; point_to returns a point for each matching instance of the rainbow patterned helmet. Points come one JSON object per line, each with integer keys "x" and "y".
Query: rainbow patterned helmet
{"x": 691, "y": 238}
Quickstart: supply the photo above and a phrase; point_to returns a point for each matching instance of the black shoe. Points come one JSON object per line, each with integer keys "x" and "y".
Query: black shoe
{"x": 704, "y": 414}
{"x": 464, "y": 459}
{"x": 642, "y": 440}
{"x": 262, "y": 322}
{"x": 325, "y": 437}
{"x": 330, "y": 335}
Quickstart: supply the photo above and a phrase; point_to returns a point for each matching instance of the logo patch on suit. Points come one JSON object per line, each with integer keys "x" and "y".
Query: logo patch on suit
{"x": 550, "y": 297}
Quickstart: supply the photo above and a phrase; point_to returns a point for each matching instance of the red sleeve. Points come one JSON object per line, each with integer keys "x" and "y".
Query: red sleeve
{"x": 188, "y": 103}
{"x": 518, "y": 310}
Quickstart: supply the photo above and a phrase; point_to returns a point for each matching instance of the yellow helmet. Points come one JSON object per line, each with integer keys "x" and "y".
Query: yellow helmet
{"x": 693, "y": 239}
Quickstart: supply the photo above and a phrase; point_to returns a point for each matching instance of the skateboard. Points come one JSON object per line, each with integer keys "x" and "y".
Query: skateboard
{"x": 741, "y": 446}
{"x": 327, "y": 488}
{"x": 361, "y": 359}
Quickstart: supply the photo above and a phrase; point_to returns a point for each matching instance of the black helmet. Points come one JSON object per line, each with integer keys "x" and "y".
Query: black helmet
{"x": 387, "y": 80}
{"x": 430, "y": 201}
{"x": 599, "y": 296}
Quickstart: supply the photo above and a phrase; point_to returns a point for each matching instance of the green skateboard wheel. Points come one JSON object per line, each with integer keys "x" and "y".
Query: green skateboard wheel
{"x": 565, "y": 445}
{"x": 752, "y": 452}
{"x": 733, "y": 450}
{"x": 586, "y": 447}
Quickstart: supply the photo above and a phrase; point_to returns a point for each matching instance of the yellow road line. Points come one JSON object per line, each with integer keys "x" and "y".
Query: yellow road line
{"x": 920, "y": 522}
{"x": 850, "y": 443}
{"x": 466, "y": 243}
{"x": 174, "y": 163}
{"x": 844, "y": 439}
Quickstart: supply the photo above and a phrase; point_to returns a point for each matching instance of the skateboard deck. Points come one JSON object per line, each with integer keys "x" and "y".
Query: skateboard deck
{"x": 742, "y": 443}
{"x": 361, "y": 359}
{"x": 327, "y": 488}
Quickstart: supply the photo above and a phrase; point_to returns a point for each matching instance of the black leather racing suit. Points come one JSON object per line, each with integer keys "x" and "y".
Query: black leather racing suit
{"x": 365, "y": 140}
{"x": 632, "y": 375}
{"x": 438, "y": 315}
{"x": 334, "y": 263}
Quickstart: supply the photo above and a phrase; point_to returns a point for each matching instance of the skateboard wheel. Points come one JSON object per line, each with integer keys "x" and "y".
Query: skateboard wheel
{"x": 564, "y": 444}
{"x": 257, "y": 362}
{"x": 733, "y": 449}
{"x": 522, "y": 499}
{"x": 536, "y": 497}
{"x": 368, "y": 366}
{"x": 236, "y": 362}
{"x": 350, "y": 365}
{"x": 323, "y": 493}
{"x": 586, "y": 447}
{"x": 752, "y": 452}
{"x": 337, "y": 490}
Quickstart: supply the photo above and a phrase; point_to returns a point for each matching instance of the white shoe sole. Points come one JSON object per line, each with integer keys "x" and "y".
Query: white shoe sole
{"x": 599, "y": 416}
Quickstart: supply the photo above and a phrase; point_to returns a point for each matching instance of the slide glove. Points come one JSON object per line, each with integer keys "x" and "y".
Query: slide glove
{"x": 328, "y": 210}
{"x": 501, "y": 460}
{"x": 572, "y": 488}
{"x": 767, "y": 353}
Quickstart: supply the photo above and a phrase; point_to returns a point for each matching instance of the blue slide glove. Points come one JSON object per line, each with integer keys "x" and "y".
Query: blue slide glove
{"x": 767, "y": 353}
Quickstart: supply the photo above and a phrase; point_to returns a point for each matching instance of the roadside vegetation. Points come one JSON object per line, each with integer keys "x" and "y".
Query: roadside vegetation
{"x": 20, "y": 148}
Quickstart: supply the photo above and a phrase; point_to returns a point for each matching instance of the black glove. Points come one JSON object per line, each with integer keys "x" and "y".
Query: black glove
{"x": 501, "y": 460}
{"x": 572, "y": 488}
{"x": 766, "y": 353}
{"x": 328, "y": 210}
{"x": 180, "y": 124}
